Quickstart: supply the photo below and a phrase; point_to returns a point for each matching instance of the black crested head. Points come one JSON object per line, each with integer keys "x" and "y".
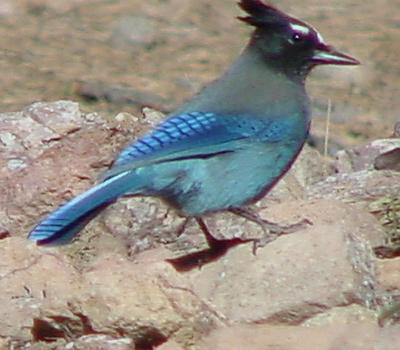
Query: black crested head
{"x": 262, "y": 15}
{"x": 286, "y": 43}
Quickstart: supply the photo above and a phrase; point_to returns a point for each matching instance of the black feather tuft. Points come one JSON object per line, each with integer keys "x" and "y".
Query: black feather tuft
{"x": 261, "y": 14}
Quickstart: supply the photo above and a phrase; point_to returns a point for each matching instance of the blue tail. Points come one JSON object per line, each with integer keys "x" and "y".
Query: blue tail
{"x": 65, "y": 222}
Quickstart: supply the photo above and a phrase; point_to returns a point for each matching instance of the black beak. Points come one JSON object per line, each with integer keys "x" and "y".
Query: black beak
{"x": 326, "y": 54}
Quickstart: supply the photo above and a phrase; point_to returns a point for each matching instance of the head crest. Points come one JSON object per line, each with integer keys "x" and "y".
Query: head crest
{"x": 261, "y": 15}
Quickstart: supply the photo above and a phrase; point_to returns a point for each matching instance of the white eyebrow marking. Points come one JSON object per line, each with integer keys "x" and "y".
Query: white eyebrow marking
{"x": 320, "y": 38}
{"x": 299, "y": 28}
{"x": 305, "y": 31}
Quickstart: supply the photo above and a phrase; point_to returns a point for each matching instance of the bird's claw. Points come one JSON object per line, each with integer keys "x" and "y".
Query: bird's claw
{"x": 273, "y": 231}
{"x": 278, "y": 230}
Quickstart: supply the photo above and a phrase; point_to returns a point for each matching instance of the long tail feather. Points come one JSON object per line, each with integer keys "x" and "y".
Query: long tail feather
{"x": 65, "y": 222}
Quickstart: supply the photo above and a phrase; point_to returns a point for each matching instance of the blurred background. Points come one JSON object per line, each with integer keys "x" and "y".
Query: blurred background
{"x": 115, "y": 56}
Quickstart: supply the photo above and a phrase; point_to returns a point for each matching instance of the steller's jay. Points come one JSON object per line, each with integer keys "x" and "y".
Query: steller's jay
{"x": 226, "y": 147}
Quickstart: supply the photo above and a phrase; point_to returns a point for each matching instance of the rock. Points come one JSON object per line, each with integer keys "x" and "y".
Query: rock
{"x": 388, "y": 278}
{"x": 360, "y": 187}
{"x": 296, "y": 276}
{"x": 170, "y": 345}
{"x": 26, "y": 287}
{"x": 336, "y": 336}
{"x": 49, "y": 153}
{"x": 388, "y": 160}
{"x": 309, "y": 168}
{"x": 388, "y": 274}
{"x": 65, "y": 148}
{"x": 101, "y": 342}
{"x": 153, "y": 117}
{"x": 114, "y": 288}
{"x": 4, "y": 343}
{"x": 342, "y": 315}
{"x": 142, "y": 223}
{"x": 26, "y": 135}
{"x": 364, "y": 157}
{"x": 145, "y": 301}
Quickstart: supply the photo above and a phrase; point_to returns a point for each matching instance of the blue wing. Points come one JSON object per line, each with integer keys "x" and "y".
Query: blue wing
{"x": 197, "y": 134}
{"x": 172, "y": 134}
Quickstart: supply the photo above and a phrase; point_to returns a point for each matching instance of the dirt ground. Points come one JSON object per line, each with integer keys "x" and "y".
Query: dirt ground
{"x": 169, "y": 48}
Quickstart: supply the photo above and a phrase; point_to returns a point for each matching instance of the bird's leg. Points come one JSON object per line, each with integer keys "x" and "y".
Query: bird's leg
{"x": 271, "y": 229}
{"x": 219, "y": 244}
{"x": 267, "y": 225}
{"x": 217, "y": 248}
{"x": 182, "y": 226}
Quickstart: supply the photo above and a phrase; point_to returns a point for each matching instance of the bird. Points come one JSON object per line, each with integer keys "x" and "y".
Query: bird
{"x": 227, "y": 146}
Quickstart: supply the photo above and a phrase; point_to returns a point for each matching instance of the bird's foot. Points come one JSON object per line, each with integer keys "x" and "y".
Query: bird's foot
{"x": 216, "y": 249}
{"x": 271, "y": 229}
{"x": 219, "y": 247}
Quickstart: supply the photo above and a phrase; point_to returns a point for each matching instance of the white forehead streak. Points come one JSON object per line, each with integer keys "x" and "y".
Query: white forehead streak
{"x": 299, "y": 28}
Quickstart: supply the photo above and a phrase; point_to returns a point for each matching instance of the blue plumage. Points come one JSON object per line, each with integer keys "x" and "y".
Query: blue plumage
{"x": 229, "y": 144}
{"x": 61, "y": 225}
{"x": 174, "y": 130}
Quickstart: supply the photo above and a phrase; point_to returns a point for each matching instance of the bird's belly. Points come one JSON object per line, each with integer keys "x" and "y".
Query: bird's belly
{"x": 226, "y": 181}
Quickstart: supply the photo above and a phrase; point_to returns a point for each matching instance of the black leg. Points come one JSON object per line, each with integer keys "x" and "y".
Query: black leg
{"x": 217, "y": 248}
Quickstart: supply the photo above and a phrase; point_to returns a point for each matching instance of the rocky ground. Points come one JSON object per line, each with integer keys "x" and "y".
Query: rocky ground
{"x": 130, "y": 281}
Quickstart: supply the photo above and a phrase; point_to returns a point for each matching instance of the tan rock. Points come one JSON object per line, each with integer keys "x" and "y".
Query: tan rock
{"x": 50, "y": 151}
{"x": 309, "y": 168}
{"x": 336, "y": 336}
{"x": 91, "y": 292}
{"x": 343, "y": 315}
{"x": 4, "y": 344}
{"x": 299, "y": 275}
{"x": 31, "y": 279}
{"x": 170, "y": 345}
{"x": 45, "y": 298}
{"x": 132, "y": 219}
{"x": 388, "y": 274}
{"x": 100, "y": 342}
{"x": 146, "y": 301}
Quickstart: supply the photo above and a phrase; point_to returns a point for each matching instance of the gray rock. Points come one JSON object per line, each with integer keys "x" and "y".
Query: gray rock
{"x": 364, "y": 157}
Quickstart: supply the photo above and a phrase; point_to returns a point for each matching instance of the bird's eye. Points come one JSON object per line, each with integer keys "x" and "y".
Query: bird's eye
{"x": 297, "y": 37}
{"x": 299, "y": 32}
